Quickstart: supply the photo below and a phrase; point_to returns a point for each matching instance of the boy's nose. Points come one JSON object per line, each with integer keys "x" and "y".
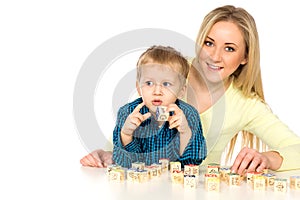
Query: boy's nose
{"x": 157, "y": 89}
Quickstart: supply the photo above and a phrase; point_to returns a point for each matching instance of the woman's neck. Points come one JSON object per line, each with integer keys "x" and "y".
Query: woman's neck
{"x": 203, "y": 94}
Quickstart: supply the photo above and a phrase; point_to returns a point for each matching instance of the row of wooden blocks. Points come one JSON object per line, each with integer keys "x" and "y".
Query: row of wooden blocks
{"x": 259, "y": 181}
{"x": 190, "y": 176}
{"x": 138, "y": 172}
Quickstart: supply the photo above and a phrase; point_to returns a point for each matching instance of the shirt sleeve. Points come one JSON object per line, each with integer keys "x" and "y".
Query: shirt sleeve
{"x": 272, "y": 131}
{"x": 124, "y": 156}
{"x": 195, "y": 151}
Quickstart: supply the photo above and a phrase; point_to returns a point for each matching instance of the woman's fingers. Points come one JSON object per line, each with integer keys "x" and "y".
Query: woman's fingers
{"x": 249, "y": 160}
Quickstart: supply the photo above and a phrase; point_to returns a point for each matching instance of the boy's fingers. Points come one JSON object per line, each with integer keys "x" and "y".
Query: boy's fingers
{"x": 146, "y": 116}
{"x": 143, "y": 117}
{"x": 173, "y": 108}
{"x": 137, "y": 109}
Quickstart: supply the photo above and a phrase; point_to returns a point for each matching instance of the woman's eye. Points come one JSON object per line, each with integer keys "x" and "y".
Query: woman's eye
{"x": 208, "y": 43}
{"x": 230, "y": 49}
{"x": 166, "y": 84}
{"x": 149, "y": 83}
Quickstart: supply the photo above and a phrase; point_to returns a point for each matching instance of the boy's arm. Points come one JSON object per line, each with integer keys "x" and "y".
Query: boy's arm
{"x": 133, "y": 121}
{"x": 126, "y": 142}
{"x": 178, "y": 120}
{"x": 195, "y": 148}
{"x": 122, "y": 155}
{"x": 184, "y": 140}
{"x": 126, "y": 147}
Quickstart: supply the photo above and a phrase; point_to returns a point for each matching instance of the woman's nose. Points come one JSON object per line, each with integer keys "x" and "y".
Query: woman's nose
{"x": 215, "y": 55}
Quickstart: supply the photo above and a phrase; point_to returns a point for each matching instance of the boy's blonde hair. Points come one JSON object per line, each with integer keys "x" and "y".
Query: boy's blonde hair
{"x": 248, "y": 76}
{"x": 164, "y": 55}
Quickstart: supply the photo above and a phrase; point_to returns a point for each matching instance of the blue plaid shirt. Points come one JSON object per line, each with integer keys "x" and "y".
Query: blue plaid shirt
{"x": 151, "y": 142}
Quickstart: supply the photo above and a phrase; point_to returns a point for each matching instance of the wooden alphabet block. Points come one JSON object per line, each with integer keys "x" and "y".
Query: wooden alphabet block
{"x": 190, "y": 181}
{"x": 212, "y": 182}
{"x": 295, "y": 182}
{"x": 164, "y": 164}
{"x": 270, "y": 178}
{"x": 161, "y": 113}
{"x": 213, "y": 168}
{"x": 117, "y": 175}
{"x": 234, "y": 179}
{"x": 280, "y": 185}
{"x": 152, "y": 171}
{"x": 177, "y": 177}
{"x": 251, "y": 175}
{"x": 138, "y": 165}
{"x": 259, "y": 183}
{"x": 131, "y": 176}
{"x": 175, "y": 166}
{"x": 191, "y": 170}
{"x": 111, "y": 167}
{"x": 224, "y": 171}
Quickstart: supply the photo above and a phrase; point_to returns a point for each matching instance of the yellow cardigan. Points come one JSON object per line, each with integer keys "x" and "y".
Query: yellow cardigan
{"x": 234, "y": 112}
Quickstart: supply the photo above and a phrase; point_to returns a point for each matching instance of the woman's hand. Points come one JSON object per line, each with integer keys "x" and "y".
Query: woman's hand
{"x": 98, "y": 158}
{"x": 251, "y": 160}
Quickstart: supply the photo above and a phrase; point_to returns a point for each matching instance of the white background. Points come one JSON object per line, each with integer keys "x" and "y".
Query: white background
{"x": 43, "y": 46}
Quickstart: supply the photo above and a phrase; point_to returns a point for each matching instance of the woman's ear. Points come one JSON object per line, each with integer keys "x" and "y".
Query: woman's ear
{"x": 244, "y": 62}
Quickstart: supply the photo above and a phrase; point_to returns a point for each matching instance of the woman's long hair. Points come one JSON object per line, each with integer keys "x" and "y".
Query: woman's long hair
{"x": 247, "y": 77}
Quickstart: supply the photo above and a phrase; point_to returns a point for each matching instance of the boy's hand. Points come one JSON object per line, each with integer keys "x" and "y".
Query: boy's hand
{"x": 134, "y": 120}
{"x": 178, "y": 119}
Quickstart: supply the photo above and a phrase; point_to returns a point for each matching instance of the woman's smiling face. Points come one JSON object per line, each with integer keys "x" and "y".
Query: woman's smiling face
{"x": 223, "y": 51}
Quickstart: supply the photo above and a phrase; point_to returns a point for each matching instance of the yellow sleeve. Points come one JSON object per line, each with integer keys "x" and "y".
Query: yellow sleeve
{"x": 271, "y": 130}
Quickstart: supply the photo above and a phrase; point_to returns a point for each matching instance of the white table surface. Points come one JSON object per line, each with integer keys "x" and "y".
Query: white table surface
{"x": 96, "y": 184}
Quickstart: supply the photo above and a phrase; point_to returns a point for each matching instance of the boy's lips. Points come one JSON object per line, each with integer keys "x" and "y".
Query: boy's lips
{"x": 156, "y": 102}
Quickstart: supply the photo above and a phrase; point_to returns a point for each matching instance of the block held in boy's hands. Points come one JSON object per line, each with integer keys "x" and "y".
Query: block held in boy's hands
{"x": 162, "y": 114}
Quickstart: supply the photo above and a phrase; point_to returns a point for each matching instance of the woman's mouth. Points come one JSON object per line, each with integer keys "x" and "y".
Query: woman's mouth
{"x": 214, "y": 67}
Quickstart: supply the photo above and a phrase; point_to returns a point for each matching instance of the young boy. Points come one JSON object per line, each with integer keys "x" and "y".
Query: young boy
{"x": 138, "y": 135}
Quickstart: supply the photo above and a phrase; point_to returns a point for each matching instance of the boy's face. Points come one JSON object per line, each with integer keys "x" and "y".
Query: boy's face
{"x": 159, "y": 85}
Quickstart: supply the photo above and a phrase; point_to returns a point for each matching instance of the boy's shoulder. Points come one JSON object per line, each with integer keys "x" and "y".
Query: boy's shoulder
{"x": 185, "y": 106}
{"x": 131, "y": 105}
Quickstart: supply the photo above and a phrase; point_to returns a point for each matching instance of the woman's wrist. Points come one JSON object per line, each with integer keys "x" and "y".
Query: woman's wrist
{"x": 274, "y": 158}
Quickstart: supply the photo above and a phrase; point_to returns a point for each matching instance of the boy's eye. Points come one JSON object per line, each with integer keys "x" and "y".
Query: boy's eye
{"x": 166, "y": 84}
{"x": 149, "y": 83}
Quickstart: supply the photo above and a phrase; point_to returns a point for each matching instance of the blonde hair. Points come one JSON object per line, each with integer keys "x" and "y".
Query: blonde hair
{"x": 164, "y": 55}
{"x": 248, "y": 76}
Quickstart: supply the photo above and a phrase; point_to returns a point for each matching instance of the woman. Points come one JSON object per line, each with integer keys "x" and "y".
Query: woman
{"x": 226, "y": 88}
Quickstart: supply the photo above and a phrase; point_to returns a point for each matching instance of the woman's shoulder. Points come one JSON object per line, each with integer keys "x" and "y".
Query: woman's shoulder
{"x": 236, "y": 100}
{"x": 235, "y": 94}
